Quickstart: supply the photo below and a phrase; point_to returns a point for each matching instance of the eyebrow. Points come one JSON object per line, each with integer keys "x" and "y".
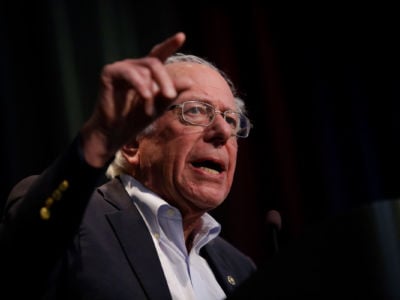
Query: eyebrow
{"x": 235, "y": 109}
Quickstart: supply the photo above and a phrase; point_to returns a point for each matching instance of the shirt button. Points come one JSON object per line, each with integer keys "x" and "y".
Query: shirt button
{"x": 170, "y": 212}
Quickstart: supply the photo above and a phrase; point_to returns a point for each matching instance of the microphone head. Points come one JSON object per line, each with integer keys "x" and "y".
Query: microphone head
{"x": 273, "y": 218}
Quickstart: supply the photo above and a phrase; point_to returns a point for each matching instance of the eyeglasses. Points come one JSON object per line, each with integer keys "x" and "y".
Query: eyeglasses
{"x": 203, "y": 114}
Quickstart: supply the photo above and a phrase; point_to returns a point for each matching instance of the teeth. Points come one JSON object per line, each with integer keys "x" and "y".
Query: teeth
{"x": 208, "y": 170}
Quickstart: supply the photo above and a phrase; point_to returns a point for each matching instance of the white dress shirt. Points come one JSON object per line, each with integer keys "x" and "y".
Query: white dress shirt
{"x": 188, "y": 274}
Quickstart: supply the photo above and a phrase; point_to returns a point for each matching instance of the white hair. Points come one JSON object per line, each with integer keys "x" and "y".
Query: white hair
{"x": 181, "y": 57}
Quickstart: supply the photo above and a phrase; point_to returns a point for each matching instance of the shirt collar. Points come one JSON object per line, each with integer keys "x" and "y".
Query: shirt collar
{"x": 154, "y": 209}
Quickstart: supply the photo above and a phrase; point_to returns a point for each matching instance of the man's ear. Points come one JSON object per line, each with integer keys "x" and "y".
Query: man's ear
{"x": 130, "y": 152}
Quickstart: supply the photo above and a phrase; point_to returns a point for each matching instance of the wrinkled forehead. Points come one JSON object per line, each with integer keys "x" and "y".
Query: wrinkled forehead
{"x": 201, "y": 79}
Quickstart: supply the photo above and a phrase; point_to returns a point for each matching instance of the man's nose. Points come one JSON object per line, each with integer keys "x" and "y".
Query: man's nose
{"x": 219, "y": 129}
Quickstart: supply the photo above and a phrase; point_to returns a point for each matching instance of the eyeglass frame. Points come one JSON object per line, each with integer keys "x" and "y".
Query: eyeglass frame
{"x": 212, "y": 117}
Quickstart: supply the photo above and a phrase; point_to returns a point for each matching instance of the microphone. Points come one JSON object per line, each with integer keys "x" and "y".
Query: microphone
{"x": 274, "y": 224}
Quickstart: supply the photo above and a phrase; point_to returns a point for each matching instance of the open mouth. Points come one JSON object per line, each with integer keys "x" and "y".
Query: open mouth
{"x": 209, "y": 166}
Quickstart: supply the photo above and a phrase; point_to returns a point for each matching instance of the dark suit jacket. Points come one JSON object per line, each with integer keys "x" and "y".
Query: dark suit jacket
{"x": 94, "y": 243}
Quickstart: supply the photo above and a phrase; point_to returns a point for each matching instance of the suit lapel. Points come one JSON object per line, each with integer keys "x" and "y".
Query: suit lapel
{"x": 137, "y": 243}
{"x": 221, "y": 271}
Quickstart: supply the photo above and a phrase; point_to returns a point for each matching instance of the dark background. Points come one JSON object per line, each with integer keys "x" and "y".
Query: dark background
{"x": 321, "y": 83}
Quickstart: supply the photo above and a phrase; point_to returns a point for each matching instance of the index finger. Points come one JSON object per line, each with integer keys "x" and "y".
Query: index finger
{"x": 168, "y": 47}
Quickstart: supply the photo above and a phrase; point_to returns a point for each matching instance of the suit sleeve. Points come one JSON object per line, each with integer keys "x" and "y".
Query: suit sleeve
{"x": 41, "y": 217}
